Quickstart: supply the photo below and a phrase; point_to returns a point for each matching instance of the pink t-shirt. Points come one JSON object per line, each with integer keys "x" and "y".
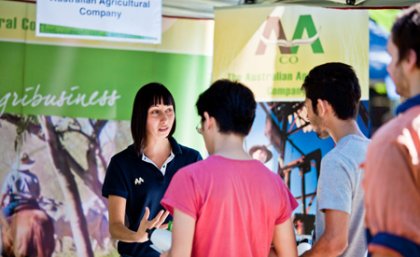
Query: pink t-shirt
{"x": 236, "y": 205}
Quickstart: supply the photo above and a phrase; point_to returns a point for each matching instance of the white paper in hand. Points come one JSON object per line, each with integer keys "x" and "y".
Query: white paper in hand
{"x": 161, "y": 240}
{"x": 303, "y": 247}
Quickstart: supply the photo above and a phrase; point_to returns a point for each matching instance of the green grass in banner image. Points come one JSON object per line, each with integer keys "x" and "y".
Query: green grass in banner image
{"x": 57, "y": 69}
{"x": 11, "y": 73}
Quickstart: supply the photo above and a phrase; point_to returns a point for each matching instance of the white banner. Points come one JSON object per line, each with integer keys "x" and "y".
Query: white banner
{"x": 118, "y": 20}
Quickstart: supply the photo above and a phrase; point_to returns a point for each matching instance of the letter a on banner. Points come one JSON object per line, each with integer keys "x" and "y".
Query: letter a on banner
{"x": 117, "y": 20}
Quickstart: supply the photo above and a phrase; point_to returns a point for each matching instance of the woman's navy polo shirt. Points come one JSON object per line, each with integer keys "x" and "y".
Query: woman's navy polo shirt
{"x": 143, "y": 185}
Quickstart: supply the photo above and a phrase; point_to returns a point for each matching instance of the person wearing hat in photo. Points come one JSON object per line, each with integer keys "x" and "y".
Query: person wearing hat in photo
{"x": 21, "y": 188}
{"x": 261, "y": 153}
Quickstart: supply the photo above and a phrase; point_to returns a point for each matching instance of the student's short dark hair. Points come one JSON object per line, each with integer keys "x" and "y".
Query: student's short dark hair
{"x": 337, "y": 84}
{"x": 406, "y": 33}
{"x": 147, "y": 96}
{"x": 232, "y": 105}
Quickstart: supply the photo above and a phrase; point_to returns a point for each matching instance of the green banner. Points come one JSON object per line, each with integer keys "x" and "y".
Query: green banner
{"x": 65, "y": 107}
{"x": 87, "y": 82}
{"x": 99, "y": 79}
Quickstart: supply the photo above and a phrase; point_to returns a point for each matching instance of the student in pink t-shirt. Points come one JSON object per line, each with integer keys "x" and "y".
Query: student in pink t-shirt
{"x": 229, "y": 205}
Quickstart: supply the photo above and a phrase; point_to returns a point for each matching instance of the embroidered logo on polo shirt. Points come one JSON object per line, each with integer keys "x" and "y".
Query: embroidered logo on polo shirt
{"x": 138, "y": 181}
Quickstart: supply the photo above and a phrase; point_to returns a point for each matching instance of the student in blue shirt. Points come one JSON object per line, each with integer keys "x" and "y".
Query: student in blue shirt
{"x": 137, "y": 177}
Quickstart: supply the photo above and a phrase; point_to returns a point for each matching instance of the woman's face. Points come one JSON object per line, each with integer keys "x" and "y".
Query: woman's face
{"x": 160, "y": 119}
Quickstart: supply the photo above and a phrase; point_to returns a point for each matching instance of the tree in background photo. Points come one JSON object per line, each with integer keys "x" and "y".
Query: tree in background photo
{"x": 70, "y": 165}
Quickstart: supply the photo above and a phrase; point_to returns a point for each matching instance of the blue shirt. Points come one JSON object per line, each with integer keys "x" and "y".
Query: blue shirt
{"x": 143, "y": 185}
{"x": 410, "y": 102}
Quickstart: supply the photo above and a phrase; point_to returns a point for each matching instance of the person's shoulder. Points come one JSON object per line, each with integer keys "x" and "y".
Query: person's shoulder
{"x": 182, "y": 150}
{"x": 331, "y": 155}
{"x": 349, "y": 145}
{"x": 264, "y": 171}
{"x": 191, "y": 171}
{"x": 197, "y": 166}
{"x": 356, "y": 144}
{"x": 271, "y": 180}
{"x": 387, "y": 129}
{"x": 273, "y": 177}
{"x": 395, "y": 127}
{"x": 334, "y": 160}
{"x": 188, "y": 150}
{"x": 199, "y": 169}
{"x": 125, "y": 154}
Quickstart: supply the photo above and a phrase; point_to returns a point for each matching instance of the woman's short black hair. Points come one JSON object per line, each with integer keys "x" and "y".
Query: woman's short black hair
{"x": 148, "y": 95}
{"x": 232, "y": 105}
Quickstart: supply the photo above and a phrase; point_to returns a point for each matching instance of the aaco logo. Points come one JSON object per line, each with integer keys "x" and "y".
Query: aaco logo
{"x": 305, "y": 23}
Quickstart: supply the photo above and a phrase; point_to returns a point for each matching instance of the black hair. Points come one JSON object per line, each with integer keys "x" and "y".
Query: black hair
{"x": 406, "y": 33}
{"x": 147, "y": 96}
{"x": 337, "y": 84}
{"x": 232, "y": 105}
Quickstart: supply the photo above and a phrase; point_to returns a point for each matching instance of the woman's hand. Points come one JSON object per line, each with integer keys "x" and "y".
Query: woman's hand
{"x": 146, "y": 224}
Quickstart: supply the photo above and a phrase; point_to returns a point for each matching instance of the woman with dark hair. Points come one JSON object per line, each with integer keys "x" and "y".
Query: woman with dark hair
{"x": 137, "y": 177}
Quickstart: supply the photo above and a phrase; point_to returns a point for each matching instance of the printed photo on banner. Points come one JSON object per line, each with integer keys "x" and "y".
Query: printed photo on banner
{"x": 59, "y": 164}
{"x": 282, "y": 138}
{"x": 65, "y": 106}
